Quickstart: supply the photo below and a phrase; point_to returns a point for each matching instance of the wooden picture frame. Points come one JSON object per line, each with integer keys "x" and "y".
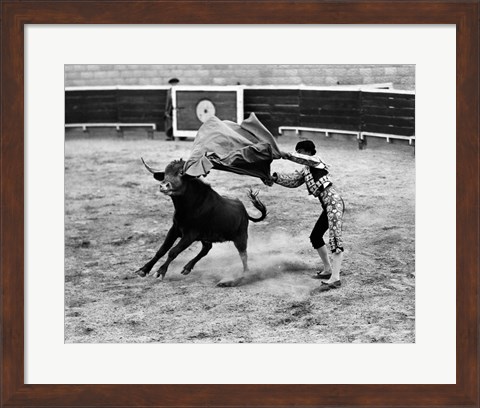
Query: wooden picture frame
{"x": 15, "y": 15}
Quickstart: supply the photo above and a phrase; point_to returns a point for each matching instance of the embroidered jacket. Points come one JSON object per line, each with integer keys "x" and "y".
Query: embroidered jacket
{"x": 314, "y": 174}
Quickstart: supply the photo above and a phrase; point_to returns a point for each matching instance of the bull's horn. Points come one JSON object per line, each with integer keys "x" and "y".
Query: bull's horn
{"x": 150, "y": 169}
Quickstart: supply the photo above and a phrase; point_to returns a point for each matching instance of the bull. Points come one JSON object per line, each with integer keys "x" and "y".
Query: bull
{"x": 201, "y": 214}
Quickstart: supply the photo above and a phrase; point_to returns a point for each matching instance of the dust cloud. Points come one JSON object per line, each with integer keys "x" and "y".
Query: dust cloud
{"x": 273, "y": 259}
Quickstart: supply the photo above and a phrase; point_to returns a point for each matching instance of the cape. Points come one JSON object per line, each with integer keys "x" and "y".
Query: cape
{"x": 248, "y": 148}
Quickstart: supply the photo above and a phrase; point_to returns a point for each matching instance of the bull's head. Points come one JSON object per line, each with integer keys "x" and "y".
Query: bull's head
{"x": 171, "y": 180}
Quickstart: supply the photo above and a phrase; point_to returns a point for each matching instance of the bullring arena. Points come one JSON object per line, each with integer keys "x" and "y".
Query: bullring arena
{"x": 116, "y": 218}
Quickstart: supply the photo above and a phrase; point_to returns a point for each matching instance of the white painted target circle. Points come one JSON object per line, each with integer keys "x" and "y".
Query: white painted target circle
{"x": 205, "y": 109}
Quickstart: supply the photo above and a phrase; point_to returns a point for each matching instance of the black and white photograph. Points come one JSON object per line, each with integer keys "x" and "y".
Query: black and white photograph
{"x": 239, "y": 203}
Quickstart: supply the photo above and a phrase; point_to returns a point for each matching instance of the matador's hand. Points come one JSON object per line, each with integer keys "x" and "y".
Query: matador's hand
{"x": 269, "y": 181}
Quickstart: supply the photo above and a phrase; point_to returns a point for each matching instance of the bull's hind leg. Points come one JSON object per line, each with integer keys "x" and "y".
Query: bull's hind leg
{"x": 206, "y": 247}
{"x": 244, "y": 258}
{"x": 172, "y": 236}
{"x": 241, "y": 245}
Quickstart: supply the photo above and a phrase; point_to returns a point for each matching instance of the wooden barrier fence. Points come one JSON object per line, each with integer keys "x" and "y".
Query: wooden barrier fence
{"x": 365, "y": 112}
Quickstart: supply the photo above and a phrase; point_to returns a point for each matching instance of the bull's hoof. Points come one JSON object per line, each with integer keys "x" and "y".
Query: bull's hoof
{"x": 159, "y": 275}
{"x": 141, "y": 273}
{"x": 185, "y": 271}
{"x": 229, "y": 283}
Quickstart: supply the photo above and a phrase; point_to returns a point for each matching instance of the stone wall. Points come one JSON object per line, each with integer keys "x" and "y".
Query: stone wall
{"x": 402, "y": 76}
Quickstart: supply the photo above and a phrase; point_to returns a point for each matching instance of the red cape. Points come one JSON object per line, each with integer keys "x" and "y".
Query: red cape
{"x": 248, "y": 148}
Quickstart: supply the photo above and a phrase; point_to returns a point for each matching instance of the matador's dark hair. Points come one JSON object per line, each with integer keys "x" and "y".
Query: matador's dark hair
{"x": 306, "y": 145}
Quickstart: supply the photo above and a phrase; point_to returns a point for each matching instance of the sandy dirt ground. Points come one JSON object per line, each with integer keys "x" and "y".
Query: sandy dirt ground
{"x": 116, "y": 218}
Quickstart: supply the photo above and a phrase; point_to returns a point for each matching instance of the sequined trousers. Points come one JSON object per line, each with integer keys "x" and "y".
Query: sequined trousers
{"x": 331, "y": 219}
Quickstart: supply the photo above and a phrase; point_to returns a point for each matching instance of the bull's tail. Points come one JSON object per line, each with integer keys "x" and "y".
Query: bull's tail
{"x": 253, "y": 196}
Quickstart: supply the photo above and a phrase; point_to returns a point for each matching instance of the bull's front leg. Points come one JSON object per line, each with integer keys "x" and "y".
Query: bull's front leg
{"x": 183, "y": 244}
{"x": 206, "y": 247}
{"x": 172, "y": 236}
